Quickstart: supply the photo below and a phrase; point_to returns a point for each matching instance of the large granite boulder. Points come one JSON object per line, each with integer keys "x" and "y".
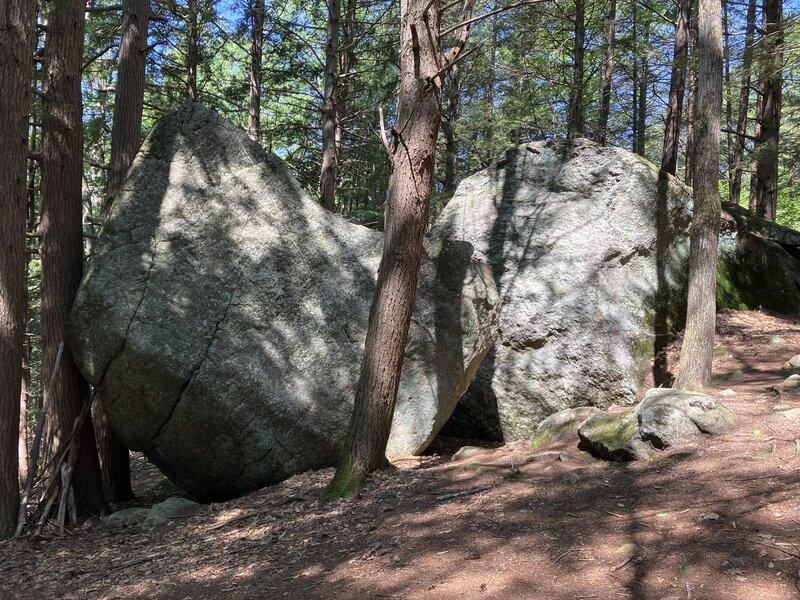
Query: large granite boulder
{"x": 589, "y": 248}
{"x": 223, "y": 316}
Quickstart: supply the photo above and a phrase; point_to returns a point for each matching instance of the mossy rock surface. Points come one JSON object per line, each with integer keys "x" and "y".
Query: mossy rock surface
{"x": 610, "y": 435}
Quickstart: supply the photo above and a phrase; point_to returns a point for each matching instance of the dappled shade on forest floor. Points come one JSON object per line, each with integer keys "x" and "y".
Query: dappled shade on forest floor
{"x": 717, "y": 520}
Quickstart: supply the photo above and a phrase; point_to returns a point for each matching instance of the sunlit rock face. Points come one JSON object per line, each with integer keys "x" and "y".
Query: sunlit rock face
{"x": 589, "y": 249}
{"x": 223, "y": 316}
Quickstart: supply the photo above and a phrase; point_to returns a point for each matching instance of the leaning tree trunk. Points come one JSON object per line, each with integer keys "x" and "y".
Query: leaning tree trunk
{"x": 697, "y": 351}
{"x": 744, "y": 106}
{"x": 62, "y": 240}
{"x": 677, "y": 85}
{"x": 256, "y": 57}
{"x": 608, "y": 77}
{"x": 16, "y": 61}
{"x": 764, "y": 183}
{"x": 575, "y": 117}
{"x": 412, "y": 155}
{"x": 327, "y": 178}
{"x": 126, "y": 134}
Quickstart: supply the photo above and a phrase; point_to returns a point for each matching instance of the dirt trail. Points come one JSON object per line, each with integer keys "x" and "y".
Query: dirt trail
{"x": 719, "y": 520}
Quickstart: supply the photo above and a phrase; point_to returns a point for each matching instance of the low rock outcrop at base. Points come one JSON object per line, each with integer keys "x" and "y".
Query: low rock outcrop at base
{"x": 223, "y": 316}
{"x": 665, "y": 418}
{"x": 589, "y": 247}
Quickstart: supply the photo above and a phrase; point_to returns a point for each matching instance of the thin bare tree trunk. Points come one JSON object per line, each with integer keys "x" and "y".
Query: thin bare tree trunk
{"x": 644, "y": 80}
{"x": 327, "y": 179}
{"x": 347, "y": 62}
{"x": 575, "y": 117}
{"x": 256, "y": 57}
{"x": 191, "y": 50}
{"x": 608, "y": 76}
{"x": 16, "y": 60}
{"x": 677, "y": 85}
{"x": 62, "y": 240}
{"x": 412, "y": 155}
{"x": 697, "y": 351}
{"x": 726, "y": 50}
{"x": 744, "y": 106}
{"x": 764, "y": 183}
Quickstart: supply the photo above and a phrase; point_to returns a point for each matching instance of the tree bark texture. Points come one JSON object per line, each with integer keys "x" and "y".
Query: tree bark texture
{"x": 608, "y": 76}
{"x": 453, "y": 93}
{"x": 126, "y": 130}
{"x": 115, "y": 464}
{"x": 764, "y": 182}
{"x": 643, "y": 81}
{"x": 691, "y": 101}
{"x": 697, "y": 351}
{"x": 744, "y": 106}
{"x": 256, "y": 57}
{"x": 327, "y": 178}
{"x": 677, "y": 85}
{"x": 575, "y": 125}
{"x": 347, "y": 62}
{"x": 61, "y": 244}
{"x": 193, "y": 31}
{"x": 412, "y": 155}
{"x": 16, "y": 61}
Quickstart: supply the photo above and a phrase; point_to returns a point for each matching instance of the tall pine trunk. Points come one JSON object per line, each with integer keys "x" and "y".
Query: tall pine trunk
{"x": 643, "y": 82}
{"x": 412, "y": 156}
{"x": 608, "y": 76}
{"x": 126, "y": 134}
{"x": 256, "y": 57}
{"x": 697, "y": 351}
{"x": 62, "y": 240}
{"x": 327, "y": 178}
{"x": 16, "y": 60}
{"x": 691, "y": 101}
{"x": 744, "y": 106}
{"x": 677, "y": 86}
{"x": 764, "y": 182}
{"x": 575, "y": 117}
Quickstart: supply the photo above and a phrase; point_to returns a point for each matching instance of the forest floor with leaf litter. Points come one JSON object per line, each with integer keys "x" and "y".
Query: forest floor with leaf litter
{"x": 717, "y": 520}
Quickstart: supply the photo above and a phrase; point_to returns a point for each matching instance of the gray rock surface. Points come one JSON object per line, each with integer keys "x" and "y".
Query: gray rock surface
{"x": 224, "y": 314}
{"x": 665, "y": 418}
{"x": 560, "y": 424}
{"x": 586, "y": 244}
{"x": 589, "y": 250}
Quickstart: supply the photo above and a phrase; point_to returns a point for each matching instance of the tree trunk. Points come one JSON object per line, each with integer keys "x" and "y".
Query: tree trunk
{"x": 744, "y": 106}
{"x": 677, "y": 85}
{"x": 449, "y": 129}
{"x": 413, "y": 151}
{"x": 764, "y": 183}
{"x": 16, "y": 60}
{"x": 256, "y": 56}
{"x": 697, "y": 351}
{"x": 575, "y": 124}
{"x": 608, "y": 76}
{"x": 115, "y": 464}
{"x": 644, "y": 80}
{"x": 347, "y": 61}
{"x": 126, "y": 137}
{"x": 126, "y": 131}
{"x": 726, "y": 52}
{"x": 61, "y": 244}
{"x": 327, "y": 178}
{"x": 692, "y": 99}
{"x": 192, "y": 18}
